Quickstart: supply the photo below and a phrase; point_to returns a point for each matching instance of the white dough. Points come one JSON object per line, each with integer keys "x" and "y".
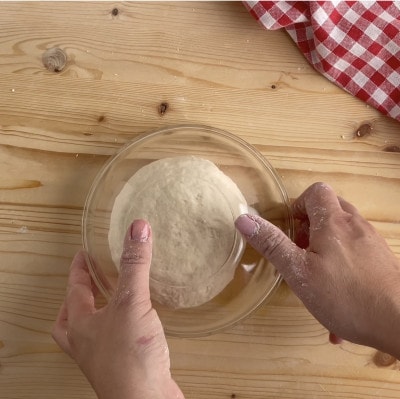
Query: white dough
{"x": 191, "y": 206}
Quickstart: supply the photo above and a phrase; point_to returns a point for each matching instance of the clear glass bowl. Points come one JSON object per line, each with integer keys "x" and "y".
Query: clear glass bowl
{"x": 255, "y": 279}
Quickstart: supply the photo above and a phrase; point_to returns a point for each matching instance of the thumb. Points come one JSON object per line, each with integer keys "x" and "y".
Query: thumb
{"x": 274, "y": 245}
{"x": 133, "y": 282}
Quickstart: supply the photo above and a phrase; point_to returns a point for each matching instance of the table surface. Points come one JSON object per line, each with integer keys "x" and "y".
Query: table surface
{"x": 211, "y": 63}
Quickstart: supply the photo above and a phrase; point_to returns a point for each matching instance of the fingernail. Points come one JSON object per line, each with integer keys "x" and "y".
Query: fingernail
{"x": 140, "y": 231}
{"x": 246, "y": 225}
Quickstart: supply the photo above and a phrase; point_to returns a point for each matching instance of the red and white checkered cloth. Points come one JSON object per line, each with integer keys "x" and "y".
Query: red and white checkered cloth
{"x": 355, "y": 44}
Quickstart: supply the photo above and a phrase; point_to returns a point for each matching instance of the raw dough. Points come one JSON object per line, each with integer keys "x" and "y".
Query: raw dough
{"x": 191, "y": 206}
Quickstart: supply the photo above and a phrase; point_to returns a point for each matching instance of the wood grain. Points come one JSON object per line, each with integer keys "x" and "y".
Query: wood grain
{"x": 212, "y": 64}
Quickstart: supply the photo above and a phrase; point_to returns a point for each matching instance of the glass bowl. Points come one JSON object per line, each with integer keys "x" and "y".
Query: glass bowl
{"x": 254, "y": 280}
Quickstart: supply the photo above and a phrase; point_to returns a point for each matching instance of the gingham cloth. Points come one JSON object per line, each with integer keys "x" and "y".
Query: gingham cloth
{"x": 355, "y": 44}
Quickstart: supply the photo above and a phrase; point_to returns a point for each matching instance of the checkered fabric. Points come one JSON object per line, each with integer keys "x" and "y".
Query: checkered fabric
{"x": 355, "y": 44}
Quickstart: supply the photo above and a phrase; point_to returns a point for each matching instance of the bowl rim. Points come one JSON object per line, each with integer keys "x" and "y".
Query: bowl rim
{"x": 147, "y": 135}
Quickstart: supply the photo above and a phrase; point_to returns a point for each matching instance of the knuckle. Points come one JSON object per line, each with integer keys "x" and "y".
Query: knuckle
{"x": 123, "y": 298}
{"x": 131, "y": 257}
{"x": 271, "y": 246}
{"x": 318, "y": 186}
{"x": 339, "y": 220}
{"x": 130, "y": 298}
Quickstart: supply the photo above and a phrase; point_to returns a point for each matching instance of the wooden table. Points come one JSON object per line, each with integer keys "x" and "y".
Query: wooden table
{"x": 208, "y": 63}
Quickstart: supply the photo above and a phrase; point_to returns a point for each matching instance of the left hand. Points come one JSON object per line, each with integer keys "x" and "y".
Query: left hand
{"x": 121, "y": 348}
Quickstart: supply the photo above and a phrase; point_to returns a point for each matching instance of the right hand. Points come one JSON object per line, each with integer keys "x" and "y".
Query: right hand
{"x": 347, "y": 276}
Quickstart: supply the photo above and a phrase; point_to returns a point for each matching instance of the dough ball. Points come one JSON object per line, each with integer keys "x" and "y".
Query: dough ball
{"x": 191, "y": 206}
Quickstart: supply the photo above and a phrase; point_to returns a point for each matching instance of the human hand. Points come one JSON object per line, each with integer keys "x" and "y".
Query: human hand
{"x": 121, "y": 348}
{"x": 347, "y": 276}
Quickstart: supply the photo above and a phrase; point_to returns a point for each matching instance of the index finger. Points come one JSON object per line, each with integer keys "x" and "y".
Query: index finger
{"x": 60, "y": 328}
{"x": 315, "y": 204}
{"x": 80, "y": 298}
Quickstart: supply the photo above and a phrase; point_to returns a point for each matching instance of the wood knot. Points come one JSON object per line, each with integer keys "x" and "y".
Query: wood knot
{"x": 392, "y": 148}
{"x": 54, "y": 59}
{"x": 114, "y": 12}
{"x": 363, "y": 130}
{"x": 233, "y": 396}
{"x": 162, "y": 108}
{"x": 382, "y": 359}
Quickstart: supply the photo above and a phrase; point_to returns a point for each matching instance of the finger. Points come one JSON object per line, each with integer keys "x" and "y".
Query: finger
{"x": 316, "y": 203}
{"x": 334, "y": 339}
{"x": 80, "y": 299}
{"x": 347, "y": 207}
{"x": 133, "y": 282}
{"x": 302, "y": 234}
{"x": 272, "y": 243}
{"x": 59, "y": 331}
